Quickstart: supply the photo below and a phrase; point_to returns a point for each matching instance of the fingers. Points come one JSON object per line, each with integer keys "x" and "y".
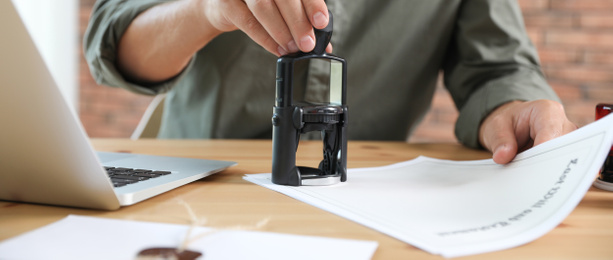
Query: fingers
{"x": 317, "y": 12}
{"x": 497, "y": 135}
{"x": 300, "y": 28}
{"x": 280, "y": 26}
{"x": 329, "y": 48}
{"x": 271, "y": 20}
{"x": 245, "y": 21}
{"x": 516, "y": 126}
{"x": 550, "y": 122}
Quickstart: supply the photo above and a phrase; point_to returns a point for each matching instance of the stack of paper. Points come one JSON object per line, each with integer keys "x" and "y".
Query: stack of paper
{"x": 457, "y": 208}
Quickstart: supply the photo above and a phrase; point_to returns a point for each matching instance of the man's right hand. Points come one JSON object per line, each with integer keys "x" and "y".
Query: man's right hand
{"x": 280, "y": 26}
{"x": 160, "y": 42}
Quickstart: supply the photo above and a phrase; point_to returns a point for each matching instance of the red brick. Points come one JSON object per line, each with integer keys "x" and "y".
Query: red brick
{"x": 536, "y": 35}
{"x": 576, "y": 38}
{"x": 581, "y": 5}
{"x": 600, "y": 93}
{"x": 533, "y": 5}
{"x": 600, "y": 58}
{"x": 596, "y": 20}
{"x": 441, "y": 98}
{"x": 567, "y": 92}
{"x": 550, "y": 20}
{"x": 446, "y": 116}
{"x": 554, "y": 55}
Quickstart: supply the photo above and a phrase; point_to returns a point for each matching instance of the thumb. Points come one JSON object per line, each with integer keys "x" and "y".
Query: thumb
{"x": 504, "y": 152}
{"x": 499, "y": 137}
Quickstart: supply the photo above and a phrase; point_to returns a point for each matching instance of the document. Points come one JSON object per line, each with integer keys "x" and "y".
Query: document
{"x": 458, "y": 208}
{"x": 78, "y": 237}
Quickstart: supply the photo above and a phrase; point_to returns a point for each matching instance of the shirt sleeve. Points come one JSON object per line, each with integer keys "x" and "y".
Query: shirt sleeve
{"x": 109, "y": 20}
{"x": 490, "y": 61}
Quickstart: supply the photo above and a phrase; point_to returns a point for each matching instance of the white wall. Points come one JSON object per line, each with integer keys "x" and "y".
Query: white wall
{"x": 54, "y": 26}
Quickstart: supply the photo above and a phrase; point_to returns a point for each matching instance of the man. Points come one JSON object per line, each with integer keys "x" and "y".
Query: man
{"x": 216, "y": 60}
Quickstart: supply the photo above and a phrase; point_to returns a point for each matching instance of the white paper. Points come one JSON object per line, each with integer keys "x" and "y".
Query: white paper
{"x": 457, "y": 208}
{"x": 77, "y": 237}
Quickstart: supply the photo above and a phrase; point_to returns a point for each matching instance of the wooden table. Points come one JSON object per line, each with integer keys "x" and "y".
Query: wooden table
{"x": 226, "y": 200}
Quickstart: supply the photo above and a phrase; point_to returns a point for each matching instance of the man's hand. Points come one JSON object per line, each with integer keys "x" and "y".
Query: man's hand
{"x": 280, "y": 26}
{"x": 517, "y": 126}
{"x": 160, "y": 42}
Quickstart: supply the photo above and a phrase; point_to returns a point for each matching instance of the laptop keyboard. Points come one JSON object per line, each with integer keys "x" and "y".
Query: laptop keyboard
{"x": 124, "y": 176}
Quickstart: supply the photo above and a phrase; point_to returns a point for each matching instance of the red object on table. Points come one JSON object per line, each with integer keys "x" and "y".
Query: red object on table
{"x": 602, "y": 110}
{"x": 606, "y": 173}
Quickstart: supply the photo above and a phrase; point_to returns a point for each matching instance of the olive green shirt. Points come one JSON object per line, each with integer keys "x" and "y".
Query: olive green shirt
{"x": 394, "y": 50}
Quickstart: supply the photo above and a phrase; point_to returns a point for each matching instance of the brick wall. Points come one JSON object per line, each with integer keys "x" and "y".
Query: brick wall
{"x": 574, "y": 39}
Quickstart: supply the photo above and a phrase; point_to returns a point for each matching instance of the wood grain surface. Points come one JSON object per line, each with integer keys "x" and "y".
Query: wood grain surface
{"x": 225, "y": 200}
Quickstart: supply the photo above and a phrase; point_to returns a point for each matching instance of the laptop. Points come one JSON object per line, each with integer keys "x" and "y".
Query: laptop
{"x": 46, "y": 156}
